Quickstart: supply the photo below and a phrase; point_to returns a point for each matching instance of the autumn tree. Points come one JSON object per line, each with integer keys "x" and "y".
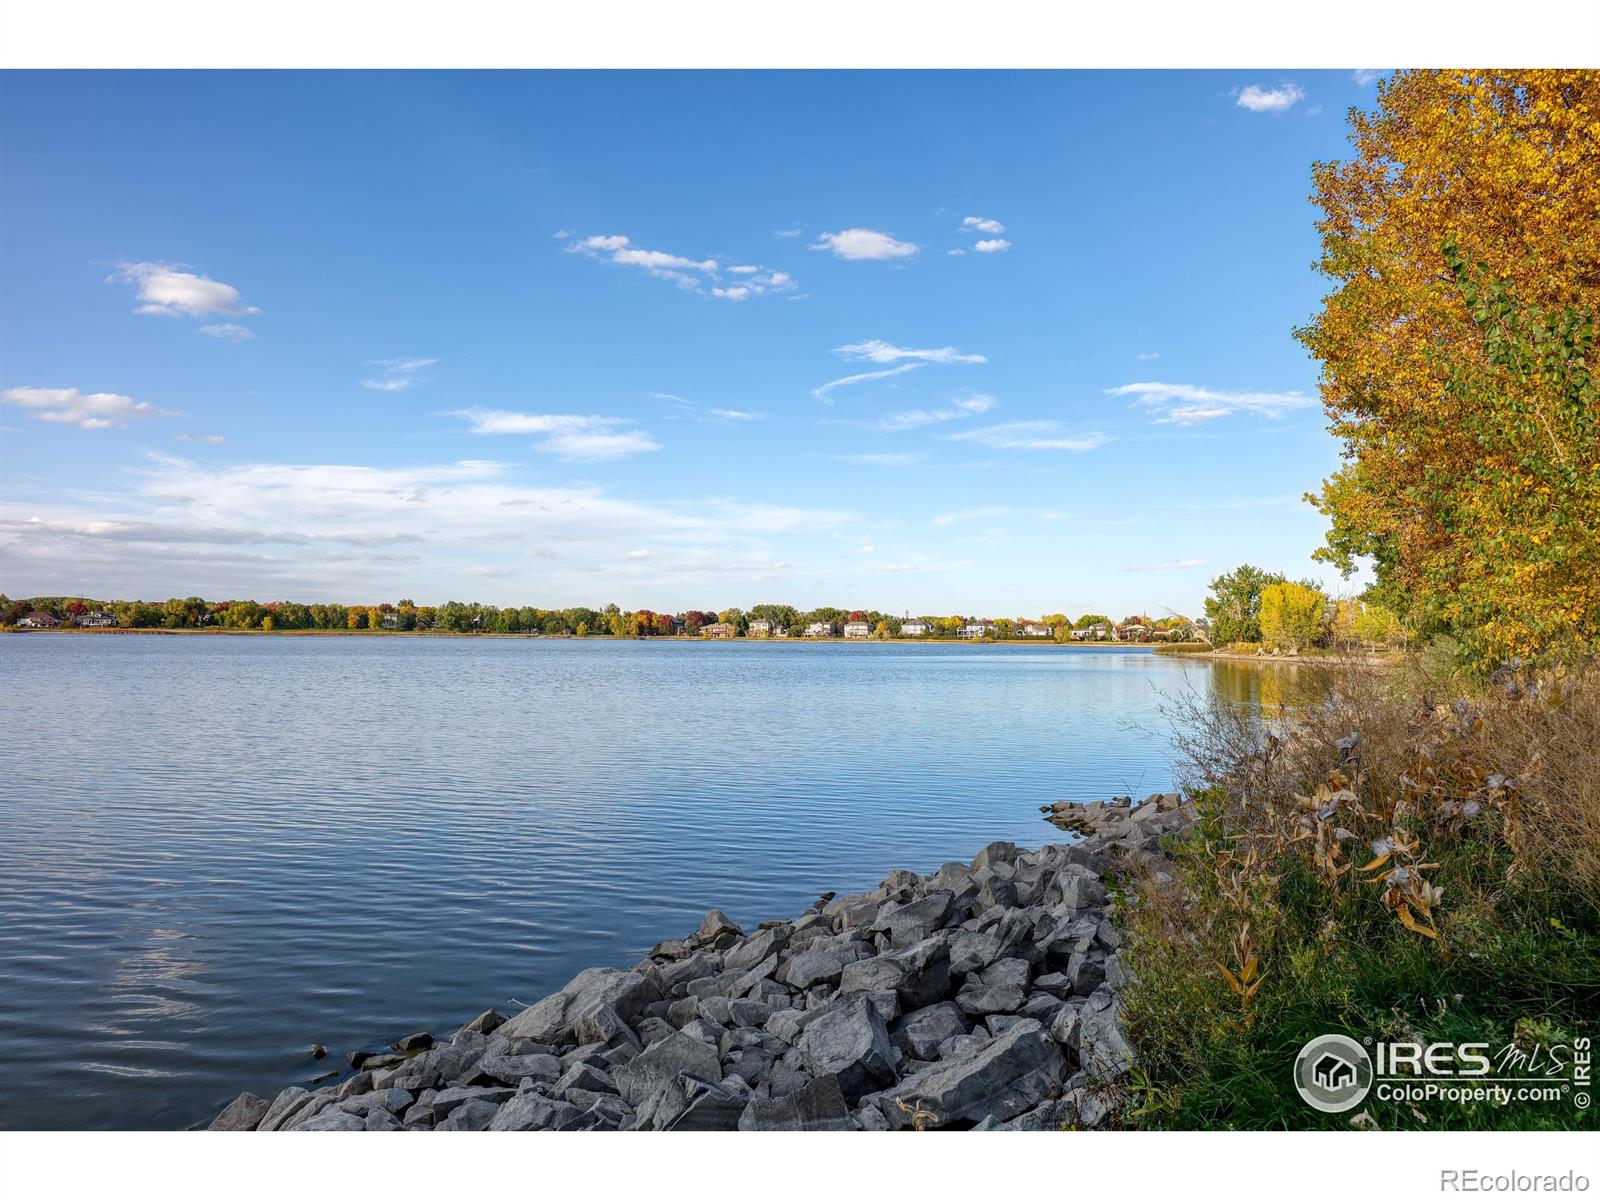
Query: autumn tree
{"x": 1292, "y": 616}
{"x": 1458, "y": 355}
{"x": 1234, "y": 606}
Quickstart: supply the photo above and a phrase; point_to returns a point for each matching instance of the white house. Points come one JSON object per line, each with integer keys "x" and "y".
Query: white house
{"x": 975, "y": 630}
{"x": 913, "y": 628}
{"x": 1034, "y": 629}
{"x": 97, "y": 618}
{"x": 820, "y": 629}
{"x": 857, "y": 629}
{"x": 761, "y": 628}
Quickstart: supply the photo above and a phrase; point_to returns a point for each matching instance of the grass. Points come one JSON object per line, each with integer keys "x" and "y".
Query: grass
{"x": 1434, "y": 877}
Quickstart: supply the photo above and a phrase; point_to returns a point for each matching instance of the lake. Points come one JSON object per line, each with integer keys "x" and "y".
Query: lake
{"x": 220, "y": 850}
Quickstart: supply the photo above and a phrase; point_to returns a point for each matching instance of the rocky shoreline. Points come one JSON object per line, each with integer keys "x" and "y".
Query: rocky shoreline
{"x": 981, "y": 996}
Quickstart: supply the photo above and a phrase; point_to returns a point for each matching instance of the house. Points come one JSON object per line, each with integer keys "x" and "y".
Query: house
{"x": 721, "y": 629}
{"x": 975, "y": 630}
{"x": 820, "y": 629}
{"x": 1098, "y": 632}
{"x": 390, "y": 620}
{"x": 913, "y": 629}
{"x": 761, "y": 628}
{"x": 1034, "y": 629}
{"x": 1133, "y": 633}
{"x": 37, "y": 620}
{"x": 857, "y": 629}
{"x": 97, "y": 618}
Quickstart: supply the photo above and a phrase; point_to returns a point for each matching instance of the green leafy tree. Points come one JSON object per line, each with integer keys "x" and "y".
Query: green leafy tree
{"x": 1234, "y": 606}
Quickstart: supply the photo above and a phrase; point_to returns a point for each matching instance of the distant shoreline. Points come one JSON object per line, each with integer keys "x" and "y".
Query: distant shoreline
{"x": 1040, "y": 643}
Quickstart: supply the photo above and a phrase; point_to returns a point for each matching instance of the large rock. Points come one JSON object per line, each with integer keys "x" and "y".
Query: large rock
{"x": 1005, "y": 1078}
{"x": 819, "y": 1105}
{"x": 919, "y": 974}
{"x": 708, "y": 1106}
{"x": 926, "y": 1029}
{"x": 512, "y": 1069}
{"x": 824, "y": 964}
{"x": 530, "y": 1110}
{"x": 911, "y": 923}
{"x": 242, "y": 1115}
{"x": 283, "y": 1108}
{"x": 607, "y": 1008}
{"x": 1001, "y": 987}
{"x": 546, "y": 1021}
{"x": 679, "y": 1054}
{"x": 332, "y": 1120}
{"x": 850, "y": 1041}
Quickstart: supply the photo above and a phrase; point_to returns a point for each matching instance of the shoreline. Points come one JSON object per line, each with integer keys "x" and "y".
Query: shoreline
{"x": 1363, "y": 659}
{"x": 984, "y": 995}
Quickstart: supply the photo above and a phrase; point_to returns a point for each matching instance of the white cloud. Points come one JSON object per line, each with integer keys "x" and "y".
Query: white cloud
{"x": 731, "y": 293}
{"x": 344, "y": 532}
{"x": 1278, "y": 99}
{"x": 867, "y": 550}
{"x": 618, "y": 248}
{"x": 227, "y": 331}
{"x": 213, "y": 439}
{"x": 569, "y": 436}
{"x": 865, "y": 244}
{"x": 396, "y": 374}
{"x": 971, "y": 514}
{"x": 955, "y": 253}
{"x": 885, "y": 352}
{"x": 983, "y": 224}
{"x": 1367, "y": 76}
{"x": 787, "y": 233}
{"x": 736, "y": 414}
{"x": 1185, "y": 404}
{"x": 825, "y": 391}
{"x": 1147, "y": 357}
{"x": 1179, "y": 564}
{"x": 881, "y": 460}
{"x": 1031, "y": 435}
{"x": 915, "y": 418}
{"x": 163, "y": 290}
{"x": 69, "y": 406}
{"x": 743, "y": 270}
{"x": 637, "y": 554}
{"x": 991, "y": 245}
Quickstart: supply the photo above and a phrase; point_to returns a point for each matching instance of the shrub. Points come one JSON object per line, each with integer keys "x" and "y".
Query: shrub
{"x": 1378, "y": 863}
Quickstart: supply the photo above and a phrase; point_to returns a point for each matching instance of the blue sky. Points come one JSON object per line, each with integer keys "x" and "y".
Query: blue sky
{"x": 995, "y": 343}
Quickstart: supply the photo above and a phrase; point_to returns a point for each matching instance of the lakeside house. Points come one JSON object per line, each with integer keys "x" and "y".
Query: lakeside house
{"x": 820, "y": 629}
{"x": 97, "y": 618}
{"x": 1098, "y": 632}
{"x": 857, "y": 629}
{"x": 975, "y": 630}
{"x": 1034, "y": 629}
{"x": 37, "y": 620}
{"x": 390, "y": 620}
{"x": 721, "y": 629}
{"x": 761, "y": 628}
{"x": 913, "y": 629}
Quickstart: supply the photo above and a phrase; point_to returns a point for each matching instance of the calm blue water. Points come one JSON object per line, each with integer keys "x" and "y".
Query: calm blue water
{"x": 219, "y": 850}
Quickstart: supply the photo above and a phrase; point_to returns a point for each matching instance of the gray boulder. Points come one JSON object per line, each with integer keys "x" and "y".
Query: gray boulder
{"x": 243, "y": 1115}
{"x": 926, "y": 1029}
{"x": 850, "y": 1041}
{"x": 663, "y": 1062}
{"x": 818, "y": 1105}
{"x": 1005, "y": 1078}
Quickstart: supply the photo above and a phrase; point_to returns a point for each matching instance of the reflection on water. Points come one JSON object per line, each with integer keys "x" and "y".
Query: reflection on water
{"x": 221, "y": 850}
{"x": 1274, "y": 689}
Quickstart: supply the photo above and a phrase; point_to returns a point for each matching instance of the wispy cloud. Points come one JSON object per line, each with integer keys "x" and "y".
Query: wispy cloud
{"x": 396, "y": 374}
{"x": 825, "y": 392}
{"x": 1031, "y": 435}
{"x": 1279, "y": 99}
{"x": 1177, "y": 564}
{"x": 991, "y": 245}
{"x": 91, "y": 410}
{"x": 915, "y": 418}
{"x": 638, "y": 554}
{"x": 227, "y": 331}
{"x": 886, "y": 352}
{"x": 971, "y": 514}
{"x": 737, "y": 414}
{"x": 569, "y": 436}
{"x": 211, "y": 439}
{"x": 788, "y": 233}
{"x": 1149, "y": 357}
{"x": 618, "y": 248}
{"x": 982, "y": 225}
{"x": 164, "y": 290}
{"x": 865, "y": 244}
{"x": 1186, "y": 404}
{"x": 1367, "y": 76}
{"x": 755, "y": 281}
{"x": 886, "y": 459}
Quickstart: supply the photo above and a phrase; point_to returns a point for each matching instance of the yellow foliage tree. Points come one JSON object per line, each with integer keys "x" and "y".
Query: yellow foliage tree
{"x": 1464, "y": 227}
{"x": 1291, "y": 616}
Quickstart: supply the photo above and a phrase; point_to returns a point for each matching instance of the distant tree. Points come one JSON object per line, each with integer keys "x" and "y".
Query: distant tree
{"x": 1234, "y": 606}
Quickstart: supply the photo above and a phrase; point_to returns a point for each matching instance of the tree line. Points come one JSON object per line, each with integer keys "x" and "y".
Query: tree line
{"x": 405, "y": 615}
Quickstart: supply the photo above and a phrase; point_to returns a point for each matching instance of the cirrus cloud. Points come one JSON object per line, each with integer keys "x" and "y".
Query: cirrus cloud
{"x": 1186, "y": 404}
{"x": 567, "y": 435}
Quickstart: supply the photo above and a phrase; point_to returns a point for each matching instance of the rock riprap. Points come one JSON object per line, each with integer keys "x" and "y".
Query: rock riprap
{"x": 983, "y": 995}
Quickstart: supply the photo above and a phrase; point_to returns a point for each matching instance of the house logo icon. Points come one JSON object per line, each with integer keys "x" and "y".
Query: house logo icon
{"x": 1333, "y": 1073}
